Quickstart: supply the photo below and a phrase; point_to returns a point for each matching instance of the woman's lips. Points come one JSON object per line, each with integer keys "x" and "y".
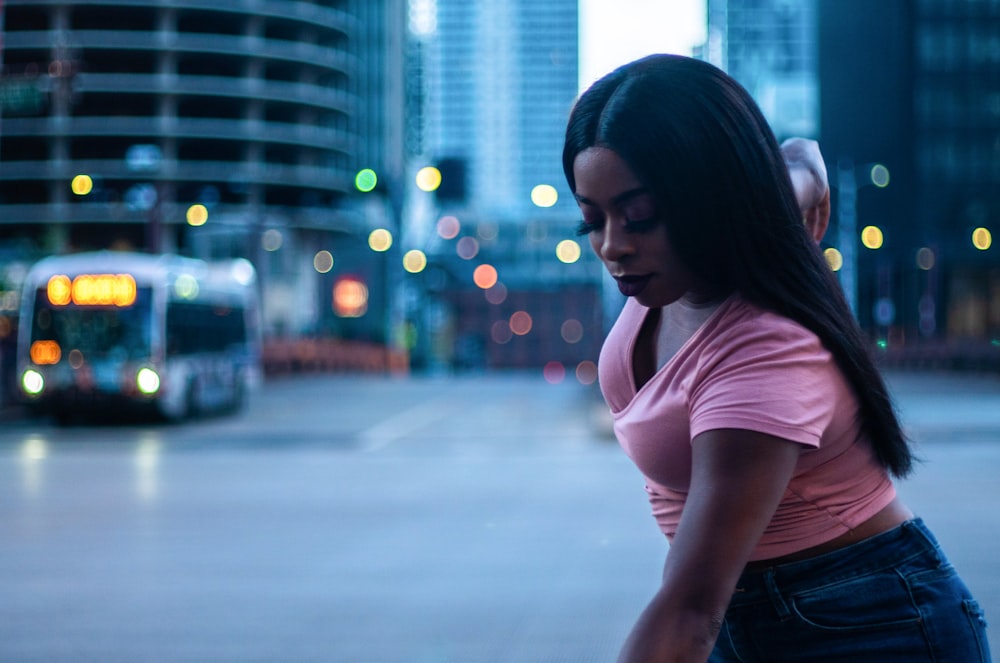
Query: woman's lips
{"x": 631, "y": 286}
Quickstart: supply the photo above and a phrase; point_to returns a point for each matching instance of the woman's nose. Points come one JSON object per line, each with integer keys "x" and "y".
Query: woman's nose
{"x": 616, "y": 243}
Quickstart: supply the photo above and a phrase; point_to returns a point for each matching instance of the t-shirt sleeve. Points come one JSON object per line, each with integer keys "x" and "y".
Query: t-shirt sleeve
{"x": 769, "y": 375}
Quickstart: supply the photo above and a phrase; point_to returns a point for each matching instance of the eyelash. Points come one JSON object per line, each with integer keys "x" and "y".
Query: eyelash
{"x": 637, "y": 226}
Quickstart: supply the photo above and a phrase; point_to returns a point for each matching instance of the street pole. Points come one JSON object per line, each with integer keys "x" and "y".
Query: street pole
{"x": 847, "y": 221}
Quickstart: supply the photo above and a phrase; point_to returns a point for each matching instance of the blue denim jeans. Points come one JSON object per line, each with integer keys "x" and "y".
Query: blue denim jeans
{"x": 892, "y": 597}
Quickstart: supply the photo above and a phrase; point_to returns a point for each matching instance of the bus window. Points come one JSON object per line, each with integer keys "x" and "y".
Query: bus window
{"x": 96, "y": 331}
{"x": 199, "y": 328}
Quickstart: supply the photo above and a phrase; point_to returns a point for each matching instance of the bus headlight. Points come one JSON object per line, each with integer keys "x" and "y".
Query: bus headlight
{"x": 147, "y": 380}
{"x": 32, "y": 382}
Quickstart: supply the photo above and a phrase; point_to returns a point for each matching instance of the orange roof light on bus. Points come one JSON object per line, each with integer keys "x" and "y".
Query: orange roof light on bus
{"x": 104, "y": 290}
{"x": 92, "y": 290}
{"x": 60, "y": 290}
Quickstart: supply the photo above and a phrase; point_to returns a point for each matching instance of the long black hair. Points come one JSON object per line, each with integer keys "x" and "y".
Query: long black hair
{"x": 701, "y": 145}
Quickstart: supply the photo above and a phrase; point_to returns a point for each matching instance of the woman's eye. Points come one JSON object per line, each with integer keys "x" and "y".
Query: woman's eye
{"x": 641, "y": 225}
{"x": 586, "y": 227}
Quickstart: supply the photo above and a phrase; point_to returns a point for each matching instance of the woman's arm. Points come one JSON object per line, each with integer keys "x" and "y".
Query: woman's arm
{"x": 738, "y": 478}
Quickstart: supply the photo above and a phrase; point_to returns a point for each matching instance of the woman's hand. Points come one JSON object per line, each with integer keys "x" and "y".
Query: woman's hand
{"x": 738, "y": 479}
{"x": 809, "y": 179}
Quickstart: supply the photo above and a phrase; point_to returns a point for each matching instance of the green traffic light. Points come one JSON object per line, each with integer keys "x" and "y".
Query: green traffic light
{"x": 365, "y": 180}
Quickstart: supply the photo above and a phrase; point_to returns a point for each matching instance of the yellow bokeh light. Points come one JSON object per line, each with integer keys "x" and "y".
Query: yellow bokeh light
{"x": 485, "y": 276}
{"x": 982, "y": 238}
{"x": 428, "y": 178}
{"x": 380, "y": 240}
{"x": 834, "y": 259}
{"x": 323, "y": 261}
{"x": 414, "y": 261}
{"x": 568, "y": 251}
{"x": 197, "y": 215}
{"x": 544, "y": 195}
{"x": 82, "y": 185}
{"x": 872, "y": 237}
{"x": 925, "y": 259}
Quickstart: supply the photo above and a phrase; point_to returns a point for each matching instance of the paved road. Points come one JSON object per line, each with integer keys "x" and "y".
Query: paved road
{"x": 477, "y": 519}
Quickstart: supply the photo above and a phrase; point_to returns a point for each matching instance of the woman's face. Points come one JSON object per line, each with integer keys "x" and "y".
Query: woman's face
{"x": 628, "y": 232}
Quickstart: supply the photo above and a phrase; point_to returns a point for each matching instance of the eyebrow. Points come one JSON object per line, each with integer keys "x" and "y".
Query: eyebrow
{"x": 618, "y": 200}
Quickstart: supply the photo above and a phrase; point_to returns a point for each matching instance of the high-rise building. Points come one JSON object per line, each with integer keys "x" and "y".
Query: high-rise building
{"x": 504, "y": 76}
{"x": 914, "y": 86}
{"x": 499, "y": 80}
{"x": 770, "y": 47}
{"x": 127, "y": 125}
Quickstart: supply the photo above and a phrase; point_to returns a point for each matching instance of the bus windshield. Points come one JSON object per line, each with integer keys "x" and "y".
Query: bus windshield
{"x": 98, "y": 332}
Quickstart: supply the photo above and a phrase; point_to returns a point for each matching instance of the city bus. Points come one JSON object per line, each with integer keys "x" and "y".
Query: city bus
{"x": 110, "y": 331}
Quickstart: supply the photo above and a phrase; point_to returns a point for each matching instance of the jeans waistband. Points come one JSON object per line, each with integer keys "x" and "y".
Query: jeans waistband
{"x": 888, "y": 549}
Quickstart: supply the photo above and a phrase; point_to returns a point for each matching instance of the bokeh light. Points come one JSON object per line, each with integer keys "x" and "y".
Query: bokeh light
{"x": 586, "y": 372}
{"x": 323, "y": 261}
{"x": 568, "y": 251}
{"x": 500, "y": 332}
{"x": 485, "y": 276}
{"x": 82, "y": 185}
{"x": 366, "y": 180}
{"x": 271, "y": 240}
{"x": 488, "y": 231}
{"x": 60, "y": 290}
{"x": 554, "y": 372}
{"x": 925, "y": 259}
{"x": 571, "y": 330}
{"x": 544, "y": 195}
{"x": 880, "y": 176}
{"x": 197, "y": 215}
{"x": 414, "y": 261}
{"x": 428, "y": 178}
{"x": 982, "y": 238}
{"x": 497, "y": 294}
{"x": 834, "y": 258}
{"x": 380, "y": 240}
{"x": 520, "y": 322}
{"x": 467, "y": 248}
{"x": 448, "y": 227}
{"x": 872, "y": 237}
{"x": 350, "y": 297}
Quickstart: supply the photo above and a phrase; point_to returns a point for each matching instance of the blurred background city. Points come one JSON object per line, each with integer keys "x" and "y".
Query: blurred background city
{"x": 391, "y": 169}
{"x": 351, "y": 215}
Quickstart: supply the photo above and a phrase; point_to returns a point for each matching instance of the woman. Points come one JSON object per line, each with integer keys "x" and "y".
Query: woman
{"x": 744, "y": 391}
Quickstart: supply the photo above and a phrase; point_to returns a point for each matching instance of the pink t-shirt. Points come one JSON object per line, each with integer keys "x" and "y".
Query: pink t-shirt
{"x": 751, "y": 369}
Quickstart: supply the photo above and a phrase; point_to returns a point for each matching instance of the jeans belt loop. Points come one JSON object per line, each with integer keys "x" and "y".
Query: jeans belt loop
{"x": 775, "y": 595}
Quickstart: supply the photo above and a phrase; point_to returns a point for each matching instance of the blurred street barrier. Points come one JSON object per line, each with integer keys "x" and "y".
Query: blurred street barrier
{"x": 308, "y": 355}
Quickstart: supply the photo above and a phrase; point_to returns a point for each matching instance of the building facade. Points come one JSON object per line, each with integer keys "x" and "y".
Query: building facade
{"x": 770, "y": 47}
{"x": 915, "y": 86}
{"x": 207, "y": 129}
{"x": 499, "y": 81}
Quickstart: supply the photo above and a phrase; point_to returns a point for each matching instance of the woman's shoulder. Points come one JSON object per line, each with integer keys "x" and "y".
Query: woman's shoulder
{"x": 741, "y": 323}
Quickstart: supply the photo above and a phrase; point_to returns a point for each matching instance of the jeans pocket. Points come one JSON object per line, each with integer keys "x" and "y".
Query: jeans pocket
{"x": 873, "y": 602}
